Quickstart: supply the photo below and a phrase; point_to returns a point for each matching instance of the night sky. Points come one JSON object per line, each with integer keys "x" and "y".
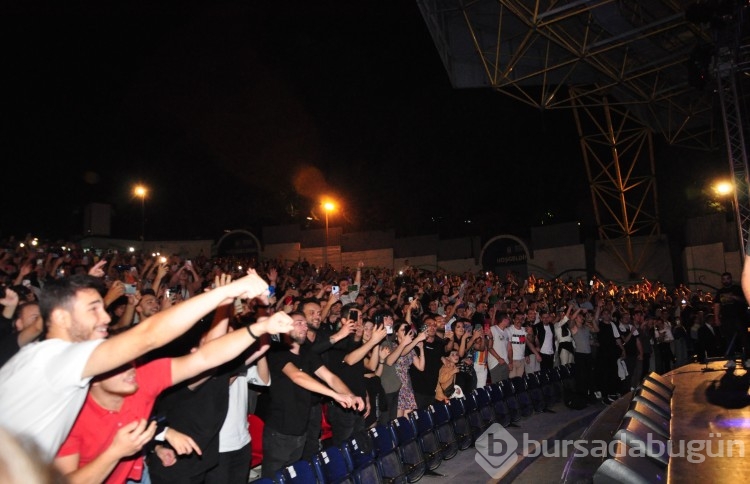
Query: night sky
{"x": 241, "y": 114}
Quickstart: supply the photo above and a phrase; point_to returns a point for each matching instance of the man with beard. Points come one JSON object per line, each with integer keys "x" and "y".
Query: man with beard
{"x": 285, "y": 429}
{"x": 730, "y": 306}
{"x": 424, "y": 382}
{"x": 319, "y": 341}
{"x": 43, "y": 387}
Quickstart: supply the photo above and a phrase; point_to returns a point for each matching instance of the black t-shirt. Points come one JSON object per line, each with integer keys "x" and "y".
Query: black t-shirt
{"x": 733, "y": 310}
{"x": 199, "y": 413}
{"x": 424, "y": 382}
{"x": 289, "y": 407}
{"x": 352, "y": 375}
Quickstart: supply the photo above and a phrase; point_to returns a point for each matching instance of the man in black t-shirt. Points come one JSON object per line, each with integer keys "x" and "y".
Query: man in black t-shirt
{"x": 346, "y": 359}
{"x": 285, "y": 428}
{"x": 424, "y": 382}
{"x": 730, "y": 306}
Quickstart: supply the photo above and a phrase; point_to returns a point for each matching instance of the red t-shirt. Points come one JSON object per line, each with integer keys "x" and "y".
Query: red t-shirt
{"x": 95, "y": 426}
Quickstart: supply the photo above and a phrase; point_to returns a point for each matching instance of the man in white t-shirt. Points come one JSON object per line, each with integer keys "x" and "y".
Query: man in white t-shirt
{"x": 498, "y": 359}
{"x": 43, "y": 387}
{"x": 517, "y": 353}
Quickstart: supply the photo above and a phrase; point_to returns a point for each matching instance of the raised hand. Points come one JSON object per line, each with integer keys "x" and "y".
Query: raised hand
{"x": 379, "y": 333}
{"x": 347, "y": 328}
{"x": 279, "y": 322}
{"x": 97, "y": 270}
{"x": 10, "y": 299}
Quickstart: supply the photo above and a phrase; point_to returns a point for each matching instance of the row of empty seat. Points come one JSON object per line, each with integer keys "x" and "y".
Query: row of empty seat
{"x": 642, "y": 438}
{"x": 409, "y": 447}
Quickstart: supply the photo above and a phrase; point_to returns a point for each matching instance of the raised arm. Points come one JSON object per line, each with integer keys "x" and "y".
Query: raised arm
{"x": 166, "y": 325}
{"x": 227, "y": 347}
{"x": 378, "y": 334}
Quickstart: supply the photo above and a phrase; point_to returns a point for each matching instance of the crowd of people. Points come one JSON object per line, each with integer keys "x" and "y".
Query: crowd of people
{"x": 144, "y": 367}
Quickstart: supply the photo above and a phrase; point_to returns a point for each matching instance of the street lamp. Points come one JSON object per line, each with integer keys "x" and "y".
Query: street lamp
{"x": 141, "y": 191}
{"x": 725, "y": 189}
{"x": 327, "y": 207}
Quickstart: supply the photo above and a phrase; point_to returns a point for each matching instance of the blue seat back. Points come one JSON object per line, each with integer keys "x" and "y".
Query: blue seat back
{"x": 422, "y": 421}
{"x": 441, "y": 414}
{"x": 301, "y": 472}
{"x": 404, "y": 430}
{"x": 331, "y": 466}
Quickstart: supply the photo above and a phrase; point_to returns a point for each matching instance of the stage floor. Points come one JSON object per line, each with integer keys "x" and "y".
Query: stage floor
{"x": 711, "y": 415}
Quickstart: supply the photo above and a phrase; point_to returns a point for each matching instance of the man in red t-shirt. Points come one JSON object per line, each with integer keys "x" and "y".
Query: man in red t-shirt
{"x": 111, "y": 429}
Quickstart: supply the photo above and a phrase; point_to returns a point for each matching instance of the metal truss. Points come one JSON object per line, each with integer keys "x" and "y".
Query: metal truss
{"x": 626, "y": 60}
{"x": 618, "y": 154}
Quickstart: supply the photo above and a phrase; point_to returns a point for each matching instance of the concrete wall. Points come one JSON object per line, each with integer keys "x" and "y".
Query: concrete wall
{"x": 703, "y": 264}
{"x": 652, "y": 251}
{"x": 548, "y": 263}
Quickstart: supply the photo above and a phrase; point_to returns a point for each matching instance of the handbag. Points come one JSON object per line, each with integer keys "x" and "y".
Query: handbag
{"x": 450, "y": 389}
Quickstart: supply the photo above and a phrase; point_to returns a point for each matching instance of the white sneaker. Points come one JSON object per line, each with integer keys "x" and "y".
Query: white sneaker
{"x": 730, "y": 365}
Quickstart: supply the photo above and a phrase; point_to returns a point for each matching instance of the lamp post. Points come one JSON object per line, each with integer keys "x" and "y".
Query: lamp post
{"x": 141, "y": 191}
{"x": 726, "y": 189}
{"x": 327, "y": 207}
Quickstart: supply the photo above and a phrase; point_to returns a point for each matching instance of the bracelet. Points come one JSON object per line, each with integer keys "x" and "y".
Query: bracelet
{"x": 249, "y": 331}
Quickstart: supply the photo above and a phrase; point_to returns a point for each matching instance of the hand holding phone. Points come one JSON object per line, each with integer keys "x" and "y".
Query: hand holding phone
{"x": 335, "y": 289}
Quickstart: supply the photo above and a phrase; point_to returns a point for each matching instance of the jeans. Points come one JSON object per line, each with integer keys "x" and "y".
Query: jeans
{"x": 344, "y": 422}
{"x": 233, "y": 468}
{"x": 279, "y": 450}
{"x": 145, "y": 478}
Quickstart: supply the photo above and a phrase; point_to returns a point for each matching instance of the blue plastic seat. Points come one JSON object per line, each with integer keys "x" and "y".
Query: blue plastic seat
{"x": 387, "y": 456}
{"x": 300, "y": 472}
{"x": 484, "y": 405}
{"x": 534, "y": 389}
{"x": 521, "y": 392}
{"x": 360, "y": 456}
{"x": 509, "y": 394}
{"x": 332, "y": 467}
{"x": 408, "y": 448}
{"x": 548, "y": 388}
{"x": 441, "y": 418}
{"x": 499, "y": 406}
{"x": 460, "y": 422}
{"x": 427, "y": 437}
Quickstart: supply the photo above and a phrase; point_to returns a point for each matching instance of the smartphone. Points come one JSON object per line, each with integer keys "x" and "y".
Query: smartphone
{"x": 448, "y": 326}
{"x": 354, "y": 314}
{"x": 389, "y": 329}
{"x": 129, "y": 288}
{"x": 335, "y": 289}
{"x": 237, "y": 305}
{"x": 39, "y": 262}
{"x": 411, "y": 299}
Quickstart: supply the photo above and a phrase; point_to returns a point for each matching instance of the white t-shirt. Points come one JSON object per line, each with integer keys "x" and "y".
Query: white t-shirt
{"x": 518, "y": 340}
{"x": 500, "y": 338}
{"x": 41, "y": 391}
{"x": 234, "y": 433}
